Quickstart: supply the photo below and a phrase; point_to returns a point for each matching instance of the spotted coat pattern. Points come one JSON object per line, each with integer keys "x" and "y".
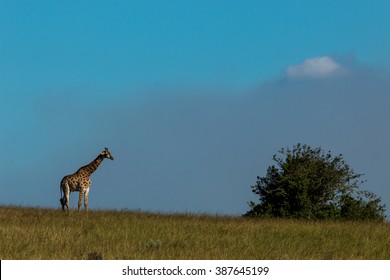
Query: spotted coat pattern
{"x": 80, "y": 181}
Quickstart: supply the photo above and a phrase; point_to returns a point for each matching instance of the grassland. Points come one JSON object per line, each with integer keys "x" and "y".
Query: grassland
{"x": 33, "y": 233}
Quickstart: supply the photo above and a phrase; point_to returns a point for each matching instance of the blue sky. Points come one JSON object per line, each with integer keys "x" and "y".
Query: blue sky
{"x": 192, "y": 97}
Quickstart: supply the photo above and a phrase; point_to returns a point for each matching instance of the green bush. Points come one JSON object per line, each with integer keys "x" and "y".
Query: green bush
{"x": 309, "y": 183}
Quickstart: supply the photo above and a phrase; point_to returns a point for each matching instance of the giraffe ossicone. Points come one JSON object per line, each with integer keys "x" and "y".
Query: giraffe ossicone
{"x": 80, "y": 181}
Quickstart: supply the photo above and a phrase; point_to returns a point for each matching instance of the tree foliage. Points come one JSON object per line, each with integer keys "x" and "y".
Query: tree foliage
{"x": 306, "y": 182}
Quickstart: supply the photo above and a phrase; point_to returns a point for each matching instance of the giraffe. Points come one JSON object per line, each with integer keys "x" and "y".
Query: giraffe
{"x": 80, "y": 181}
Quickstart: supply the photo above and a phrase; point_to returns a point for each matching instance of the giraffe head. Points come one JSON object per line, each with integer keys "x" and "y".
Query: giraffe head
{"x": 106, "y": 154}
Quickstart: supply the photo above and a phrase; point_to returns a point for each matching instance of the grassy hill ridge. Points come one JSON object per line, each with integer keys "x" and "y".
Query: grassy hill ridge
{"x": 35, "y": 233}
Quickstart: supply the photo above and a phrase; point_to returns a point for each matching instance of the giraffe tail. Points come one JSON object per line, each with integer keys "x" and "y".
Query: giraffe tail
{"x": 63, "y": 198}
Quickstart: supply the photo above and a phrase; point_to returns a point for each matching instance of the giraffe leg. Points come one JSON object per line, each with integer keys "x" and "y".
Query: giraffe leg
{"x": 86, "y": 199}
{"x": 80, "y": 199}
{"x": 62, "y": 200}
{"x": 66, "y": 197}
{"x": 64, "y": 190}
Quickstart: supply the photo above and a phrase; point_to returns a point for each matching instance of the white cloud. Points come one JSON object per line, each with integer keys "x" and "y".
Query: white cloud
{"x": 317, "y": 68}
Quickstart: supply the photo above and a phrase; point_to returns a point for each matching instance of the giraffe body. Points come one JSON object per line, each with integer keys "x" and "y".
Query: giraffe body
{"x": 80, "y": 181}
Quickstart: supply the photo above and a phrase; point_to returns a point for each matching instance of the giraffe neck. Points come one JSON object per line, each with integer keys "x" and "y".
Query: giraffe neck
{"x": 91, "y": 167}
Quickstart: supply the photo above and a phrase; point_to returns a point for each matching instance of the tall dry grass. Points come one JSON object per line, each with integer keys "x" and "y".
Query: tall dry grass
{"x": 31, "y": 233}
